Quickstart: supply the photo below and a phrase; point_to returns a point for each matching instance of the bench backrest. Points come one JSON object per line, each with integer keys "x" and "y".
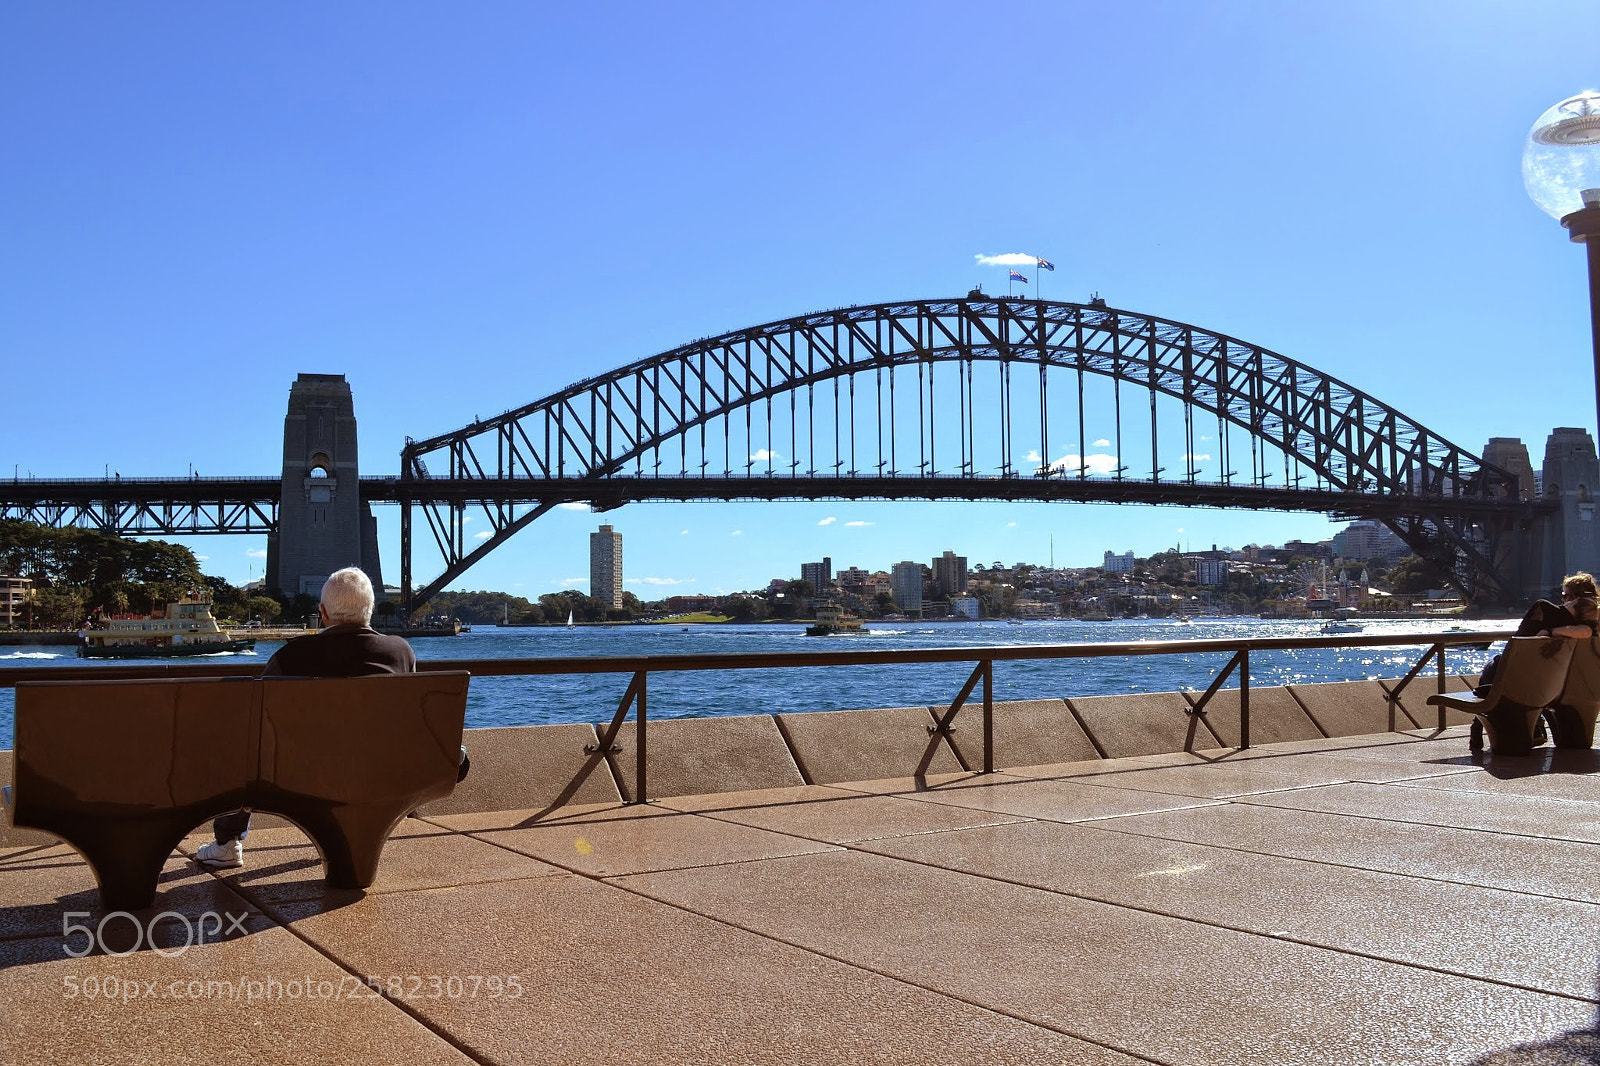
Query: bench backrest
{"x": 1533, "y": 670}
{"x": 1582, "y": 690}
{"x": 211, "y": 745}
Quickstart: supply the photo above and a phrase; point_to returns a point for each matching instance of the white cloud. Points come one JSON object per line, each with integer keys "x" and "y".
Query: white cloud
{"x": 762, "y": 455}
{"x": 683, "y": 532}
{"x": 573, "y": 506}
{"x": 201, "y": 558}
{"x": 570, "y": 581}
{"x": 1199, "y": 457}
{"x": 858, "y": 525}
{"x": 830, "y": 520}
{"x": 1008, "y": 259}
{"x": 1098, "y": 464}
{"x": 1032, "y": 456}
{"x": 256, "y": 553}
{"x": 737, "y": 533}
{"x": 1011, "y": 525}
{"x": 483, "y": 534}
{"x": 1102, "y": 443}
{"x": 659, "y": 581}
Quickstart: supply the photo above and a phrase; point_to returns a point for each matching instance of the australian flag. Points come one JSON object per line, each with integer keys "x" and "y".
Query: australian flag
{"x": 1018, "y": 277}
{"x": 1045, "y": 264}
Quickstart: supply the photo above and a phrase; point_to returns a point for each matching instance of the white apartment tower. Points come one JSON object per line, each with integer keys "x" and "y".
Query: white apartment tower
{"x": 605, "y": 566}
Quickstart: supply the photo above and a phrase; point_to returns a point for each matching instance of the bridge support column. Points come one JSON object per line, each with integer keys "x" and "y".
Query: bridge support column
{"x": 1571, "y": 537}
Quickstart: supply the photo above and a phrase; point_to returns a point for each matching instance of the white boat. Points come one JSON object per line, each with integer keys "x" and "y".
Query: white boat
{"x": 187, "y": 628}
{"x": 1341, "y": 627}
{"x": 569, "y": 620}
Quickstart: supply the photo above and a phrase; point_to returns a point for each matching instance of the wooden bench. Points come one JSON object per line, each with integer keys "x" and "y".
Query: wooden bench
{"x": 123, "y": 770}
{"x": 1531, "y": 675}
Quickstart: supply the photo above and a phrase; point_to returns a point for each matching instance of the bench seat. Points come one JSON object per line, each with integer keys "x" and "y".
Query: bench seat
{"x": 123, "y": 770}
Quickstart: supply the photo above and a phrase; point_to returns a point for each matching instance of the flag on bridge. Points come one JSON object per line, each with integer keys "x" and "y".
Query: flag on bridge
{"x": 1045, "y": 264}
{"x": 1017, "y": 277}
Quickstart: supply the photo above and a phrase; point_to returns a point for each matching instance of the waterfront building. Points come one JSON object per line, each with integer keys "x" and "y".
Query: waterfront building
{"x": 1368, "y": 539}
{"x": 1119, "y": 564}
{"x": 1211, "y": 572}
{"x": 905, "y": 585}
{"x": 605, "y": 566}
{"x": 818, "y": 575}
{"x": 15, "y": 594}
{"x": 853, "y": 578}
{"x": 950, "y": 574}
{"x": 964, "y": 607}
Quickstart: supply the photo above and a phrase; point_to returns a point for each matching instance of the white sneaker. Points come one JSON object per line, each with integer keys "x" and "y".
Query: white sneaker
{"x": 221, "y": 856}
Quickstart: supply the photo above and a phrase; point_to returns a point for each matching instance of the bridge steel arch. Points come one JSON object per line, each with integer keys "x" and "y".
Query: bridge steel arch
{"x": 1364, "y": 457}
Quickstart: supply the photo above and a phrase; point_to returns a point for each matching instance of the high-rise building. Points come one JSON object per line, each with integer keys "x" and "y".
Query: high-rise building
{"x": 818, "y": 575}
{"x": 853, "y": 577}
{"x": 605, "y": 566}
{"x": 1366, "y": 539}
{"x": 15, "y": 595}
{"x": 1119, "y": 564}
{"x": 905, "y": 585}
{"x": 950, "y": 574}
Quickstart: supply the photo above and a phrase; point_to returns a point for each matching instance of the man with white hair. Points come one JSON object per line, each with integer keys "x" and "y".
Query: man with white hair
{"x": 347, "y": 646}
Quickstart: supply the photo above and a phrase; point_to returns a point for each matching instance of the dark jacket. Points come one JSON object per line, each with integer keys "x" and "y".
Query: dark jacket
{"x": 345, "y": 650}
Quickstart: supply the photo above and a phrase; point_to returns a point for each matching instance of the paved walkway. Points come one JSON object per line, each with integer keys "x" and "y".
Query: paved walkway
{"x": 1373, "y": 899}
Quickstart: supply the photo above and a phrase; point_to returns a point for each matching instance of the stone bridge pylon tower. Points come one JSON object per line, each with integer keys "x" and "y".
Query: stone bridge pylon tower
{"x": 323, "y": 524}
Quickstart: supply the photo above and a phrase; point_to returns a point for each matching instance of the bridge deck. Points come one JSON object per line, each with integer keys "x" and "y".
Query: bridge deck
{"x": 1378, "y": 898}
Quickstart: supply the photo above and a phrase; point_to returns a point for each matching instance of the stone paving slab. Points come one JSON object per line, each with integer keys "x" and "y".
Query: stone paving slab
{"x": 1147, "y": 984}
{"x": 610, "y": 977}
{"x": 1556, "y": 774}
{"x": 282, "y": 864}
{"x": 1539, "y": 943}
{"x": 1560, "y": 868}
{"x": 854, "y": 818}
{"x": 1534, "y": 816}
{"x": 171, "y": 1020}
{"x": 607, "y": 848}
{"x": 1057, "y": 800}
{"x": 1213, "y": 782}
{"x": 38, "y": 886}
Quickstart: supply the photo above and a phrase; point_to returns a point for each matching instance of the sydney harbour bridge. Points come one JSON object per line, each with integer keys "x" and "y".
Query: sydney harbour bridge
{"x": 976, "y": 398}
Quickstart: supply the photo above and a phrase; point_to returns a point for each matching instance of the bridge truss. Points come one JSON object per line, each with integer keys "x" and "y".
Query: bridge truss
{"x": 975, "y": 398}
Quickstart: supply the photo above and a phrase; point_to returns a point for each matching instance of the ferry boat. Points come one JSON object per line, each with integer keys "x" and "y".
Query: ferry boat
{"x": 186, "y": 629}
{"x": 832, "y": 621}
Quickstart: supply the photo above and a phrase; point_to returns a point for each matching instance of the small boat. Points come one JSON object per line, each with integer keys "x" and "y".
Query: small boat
{"x": 569, "y": 621}
{"x": 187, "y": 628}
{"x": 1341, "y": 627}
{"x": 833, "y": 621}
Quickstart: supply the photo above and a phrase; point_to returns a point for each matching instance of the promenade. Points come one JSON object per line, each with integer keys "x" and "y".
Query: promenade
{"x": 1360, "y": 899}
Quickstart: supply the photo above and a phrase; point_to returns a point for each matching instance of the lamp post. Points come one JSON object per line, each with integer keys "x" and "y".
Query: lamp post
{"x": 1561, "y": 169}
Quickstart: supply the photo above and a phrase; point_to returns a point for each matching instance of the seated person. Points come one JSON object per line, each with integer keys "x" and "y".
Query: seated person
{"x": 1576, "y": 617}
{"x": 347, "y": 646}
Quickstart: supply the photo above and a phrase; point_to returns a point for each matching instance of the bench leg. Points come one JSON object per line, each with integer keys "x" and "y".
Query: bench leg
{"x": 1570, "y": 728}
{"x": 351, "y": 839}
{"x": 1510, "y": 728}
{"x": 127, "y": 858}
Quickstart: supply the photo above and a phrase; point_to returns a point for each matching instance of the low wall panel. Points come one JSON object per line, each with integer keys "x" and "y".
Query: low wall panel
{"x": 1026, "y": 733}
{"x": 834, "y": 746}
{"x": 699, "y": 756}
{"x": 1351, "y": 708}
{"x": 1143, "y": 723}
{"x": 530, "y": 766}
{"x": 1275, "y": 716}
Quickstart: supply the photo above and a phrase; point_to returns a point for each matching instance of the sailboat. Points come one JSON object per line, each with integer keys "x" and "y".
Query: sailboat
{"x": 569, "y": 620}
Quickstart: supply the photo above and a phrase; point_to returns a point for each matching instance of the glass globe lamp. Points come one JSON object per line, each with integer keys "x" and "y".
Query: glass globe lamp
{"x": 1561, "y": 159}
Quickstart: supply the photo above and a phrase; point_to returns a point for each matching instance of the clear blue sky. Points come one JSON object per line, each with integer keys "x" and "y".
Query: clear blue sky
{"x": 464, "y": 208}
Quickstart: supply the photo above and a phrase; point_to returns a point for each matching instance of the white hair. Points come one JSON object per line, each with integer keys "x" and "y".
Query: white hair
{"x": 347, "y": 597}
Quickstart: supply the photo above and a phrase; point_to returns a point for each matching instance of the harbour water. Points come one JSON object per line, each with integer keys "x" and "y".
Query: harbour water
{"x": 501, "y": 701}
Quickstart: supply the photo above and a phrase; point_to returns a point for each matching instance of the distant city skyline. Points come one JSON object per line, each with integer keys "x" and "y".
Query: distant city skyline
{"x": 483, "y": 211}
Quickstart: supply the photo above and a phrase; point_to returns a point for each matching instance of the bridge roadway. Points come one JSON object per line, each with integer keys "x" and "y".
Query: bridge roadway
{"x": 196, "y": 505}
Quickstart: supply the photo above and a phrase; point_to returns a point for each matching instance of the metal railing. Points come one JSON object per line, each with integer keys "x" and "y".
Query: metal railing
{"x": 982, "y": 658}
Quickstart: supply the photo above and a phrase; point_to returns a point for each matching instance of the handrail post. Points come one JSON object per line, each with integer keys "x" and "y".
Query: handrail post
{"x": 1244, "y": 698}
{"x": 988, "y": 716}
{"x": 1440, "y": 649}
{"x": 640, "y": 733}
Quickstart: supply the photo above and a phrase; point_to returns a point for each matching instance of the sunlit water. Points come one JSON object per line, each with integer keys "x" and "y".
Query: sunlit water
{"x": 498, "y": 701}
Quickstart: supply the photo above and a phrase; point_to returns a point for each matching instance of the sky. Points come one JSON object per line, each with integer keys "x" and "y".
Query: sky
{"x": 465, "y": 208}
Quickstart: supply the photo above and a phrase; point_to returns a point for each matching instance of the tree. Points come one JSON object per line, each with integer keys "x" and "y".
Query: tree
{"x": 1414, "y": 574}
{"x": 264, "y": 607}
